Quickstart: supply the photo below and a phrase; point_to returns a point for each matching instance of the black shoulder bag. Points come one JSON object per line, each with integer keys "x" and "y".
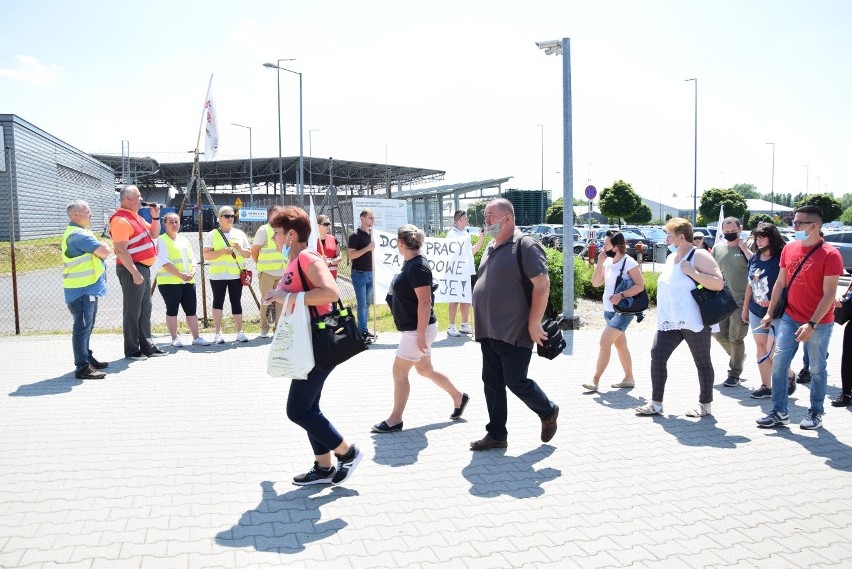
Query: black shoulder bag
{"x": 555, "y": 343}
{"x": 781, "y": 307}
{"x": 629, "y": 304}
{"x": 714, "y": 305}
{"x": 335, "y": 336}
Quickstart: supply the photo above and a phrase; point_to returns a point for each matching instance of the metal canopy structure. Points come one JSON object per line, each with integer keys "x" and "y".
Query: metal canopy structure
{"x": 228, "y": 174}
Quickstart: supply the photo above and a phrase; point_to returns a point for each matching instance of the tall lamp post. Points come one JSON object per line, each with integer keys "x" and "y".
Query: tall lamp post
{"x": 311, "y": 158}
{"x": 695, "y": 158}
{"x": 280, "y": 155}
{"x": 563, "y": 48}
{"x": 541, "y": 126}
{"x": 772, "y": 207}
{"x": 251, "y": 166}
{"x": 807, "y": 177}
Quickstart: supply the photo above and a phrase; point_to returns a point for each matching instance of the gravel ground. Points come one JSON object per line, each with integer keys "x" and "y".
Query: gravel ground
{"x": 591, "y": 316}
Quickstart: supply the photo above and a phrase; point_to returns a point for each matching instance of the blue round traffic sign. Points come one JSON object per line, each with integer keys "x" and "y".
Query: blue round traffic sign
{"x": 591, "y": 192}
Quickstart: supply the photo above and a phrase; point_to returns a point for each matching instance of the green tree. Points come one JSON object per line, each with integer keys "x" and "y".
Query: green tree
{"x": 578, "y": 201}
{"x": 846, "y": 201}
{"x": 711, "y": 200}
{"x": 747, "y": 191}
{"x": 746, "y": 218}
{"x": 476, "y": 213}
{"x": 619, "y": 201}
{"x": 668, "y": 216}
{"x": 846, "y": 216}
{"x": 757, "y": 218}
{"x": 554, "y": 212}
{"x": 830, "y": 205}
{"x": 642, "y": 215}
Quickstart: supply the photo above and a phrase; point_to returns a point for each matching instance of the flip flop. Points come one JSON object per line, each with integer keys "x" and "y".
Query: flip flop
{"x": 383, "y": 427}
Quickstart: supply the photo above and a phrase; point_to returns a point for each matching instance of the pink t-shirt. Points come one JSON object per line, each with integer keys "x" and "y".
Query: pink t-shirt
{"x": 292, "y": 281}
{"x": 806, "y": 291}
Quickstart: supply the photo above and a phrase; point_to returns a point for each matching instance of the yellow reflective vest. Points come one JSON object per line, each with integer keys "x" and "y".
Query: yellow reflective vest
{"x": 174, "y": 248}
{"x": 81, "y": 271}
{"x": 224, "y": 264}
{"x": 270, "y": 258}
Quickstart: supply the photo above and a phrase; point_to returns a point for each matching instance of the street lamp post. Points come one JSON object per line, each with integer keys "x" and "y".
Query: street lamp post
{"x": 772, "y": 207}
{"x": 563, "y": 47}
{"x": 280, "y": 155}
{"x": 695, "y": 158}
{"x": 541, "y": 126}
{"x": 311, "y": 158}
{"x": 807, "y": 177}
{"x": 251, "y": 166}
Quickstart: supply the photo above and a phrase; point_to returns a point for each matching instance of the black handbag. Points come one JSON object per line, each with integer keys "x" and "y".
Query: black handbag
{"x": 781, "y": 306}
{"x": 335, "y": 336}
{"x": 629, "y": 304}
{"x": 555, "y": 343}
{"x": 714, "y": 305}
{"x": 843, "y": 313}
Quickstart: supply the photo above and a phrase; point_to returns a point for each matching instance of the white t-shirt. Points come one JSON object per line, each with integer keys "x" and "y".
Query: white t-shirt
{"x": 233, "y": 236}
{"x": 456, "y": 233}
{"x": 611, "y": 274}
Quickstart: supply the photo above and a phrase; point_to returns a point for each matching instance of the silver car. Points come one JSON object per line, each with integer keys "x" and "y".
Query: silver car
{"x": 842, "y": 241}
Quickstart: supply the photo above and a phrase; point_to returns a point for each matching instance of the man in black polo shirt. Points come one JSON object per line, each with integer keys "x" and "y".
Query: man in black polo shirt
{"x": 361, "y": 255}
{"x": 508, "y": 323}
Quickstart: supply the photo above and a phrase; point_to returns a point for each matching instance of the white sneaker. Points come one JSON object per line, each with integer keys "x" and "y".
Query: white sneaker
{"x": 176, "y": 343}
{"x": 218, "y": 339}
{"x": 241, "y": 337}
{"x": 451, "y": 331}
{"x": 200, "y": 341}
{"x": 465, "y": 328}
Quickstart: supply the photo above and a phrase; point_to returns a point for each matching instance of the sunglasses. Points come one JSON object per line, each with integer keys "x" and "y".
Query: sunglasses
{"x": 697, "y": 238}
{"x": 228, "y": 215}
{"x": 326, "y": 224}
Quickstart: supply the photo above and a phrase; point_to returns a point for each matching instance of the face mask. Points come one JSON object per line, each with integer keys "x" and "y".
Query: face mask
{"x": 494, "y": 229}
{"x": 800, "y": 235}
{"x": 285, "y": 250}
{"x": 673, "y": 248}
{"x": 610, "y": 253}
{"x": 731, "y": 236}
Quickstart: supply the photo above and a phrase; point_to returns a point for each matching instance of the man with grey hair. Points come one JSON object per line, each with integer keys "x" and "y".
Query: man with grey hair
{"x": 133, "y": 239}
{"x": 509, "y": 300}
{"x": 84, "y": 281}
{"x": 733, "y": 255}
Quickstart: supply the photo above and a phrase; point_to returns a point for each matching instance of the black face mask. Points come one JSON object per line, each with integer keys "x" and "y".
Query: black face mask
{"x": 731, "y": 236}
{"x": 610, "y": 253}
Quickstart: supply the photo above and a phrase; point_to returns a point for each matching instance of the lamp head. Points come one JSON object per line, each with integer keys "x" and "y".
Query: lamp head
{"x": 550, "y": 47}
{"x": 272, "y": 65}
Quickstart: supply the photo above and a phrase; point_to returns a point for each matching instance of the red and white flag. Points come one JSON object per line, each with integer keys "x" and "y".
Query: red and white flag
{"x": 211, "y": 125}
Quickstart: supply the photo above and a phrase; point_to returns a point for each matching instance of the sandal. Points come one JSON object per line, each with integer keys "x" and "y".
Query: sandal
{"x": 590, "y": 387}
{"x": 700, "y": 410}
{"x": 383, "y": 427}
{"x": 625, "y": 384}
{"x": 649, "y": 409}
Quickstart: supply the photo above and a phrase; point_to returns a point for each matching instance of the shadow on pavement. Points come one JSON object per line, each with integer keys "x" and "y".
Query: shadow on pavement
{"x": 53, "y": 386}
{"x": 838, "y": 455}
{"x": 285, "y": 523}
{"x": 402, "y": 448}
{"x": 699, "y": 432}
{"x": 617, "y": 399}
{"x": 493, "y": 473}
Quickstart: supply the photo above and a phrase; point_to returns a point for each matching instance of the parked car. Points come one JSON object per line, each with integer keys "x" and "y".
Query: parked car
{"x": 842, "y": 241}
{"x": 631, "y": 240}
{"x": 542, "y": 229}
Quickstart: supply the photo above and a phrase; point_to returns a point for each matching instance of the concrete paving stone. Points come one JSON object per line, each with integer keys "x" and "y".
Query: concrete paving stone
{"x": 83, "y": 539}
{"x": 134, "y": 523}
{"x": 174, "y": 562}
{"x": 211, "y": 560}
{"x": 131, "y": 550}
{"x": 804, "y": 556}
{"x": 83, "y": 564}
{"x": 110, "y": 551}
{"x": 11, "y": 558}
{"x": 131, "y": 563}
{"x": 628, "y": 556}
{"x": 179, "y": 546}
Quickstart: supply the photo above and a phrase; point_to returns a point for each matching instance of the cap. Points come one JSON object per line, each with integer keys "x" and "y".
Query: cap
{"x": 698, "y": 234}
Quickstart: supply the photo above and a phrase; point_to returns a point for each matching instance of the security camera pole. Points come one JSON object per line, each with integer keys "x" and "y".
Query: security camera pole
{"x": 563, "y": 47}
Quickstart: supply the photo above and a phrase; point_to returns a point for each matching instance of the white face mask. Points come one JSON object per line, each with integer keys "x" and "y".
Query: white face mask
{"x": 495, "y": 228}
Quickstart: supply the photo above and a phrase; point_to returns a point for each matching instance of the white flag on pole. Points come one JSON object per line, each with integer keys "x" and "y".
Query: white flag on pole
{"x": 314, "y": 236}
{"x": 211, "y": 125}
{"x": 719, "y": 234}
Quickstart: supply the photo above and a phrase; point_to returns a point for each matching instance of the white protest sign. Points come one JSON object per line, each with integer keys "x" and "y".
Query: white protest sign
{"x": 390, "y": 214}
{"x": 451, "y": 261}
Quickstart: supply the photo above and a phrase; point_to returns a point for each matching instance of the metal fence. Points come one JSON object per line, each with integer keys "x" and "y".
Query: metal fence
{"x": 32, "y": 297}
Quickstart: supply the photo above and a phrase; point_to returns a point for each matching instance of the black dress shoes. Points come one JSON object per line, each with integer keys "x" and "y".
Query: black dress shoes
{"x": 843, "y": 400}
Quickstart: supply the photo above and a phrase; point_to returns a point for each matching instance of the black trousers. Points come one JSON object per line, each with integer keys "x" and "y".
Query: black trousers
{"x": 699, "y": 345}
{"x": 846, "y": 360}
{"x": 135, "y": 310}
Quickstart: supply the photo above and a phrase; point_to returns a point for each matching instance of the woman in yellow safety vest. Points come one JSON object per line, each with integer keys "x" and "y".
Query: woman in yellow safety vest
{"x": 226, "y": 248}
{"x": 176, "y": 280}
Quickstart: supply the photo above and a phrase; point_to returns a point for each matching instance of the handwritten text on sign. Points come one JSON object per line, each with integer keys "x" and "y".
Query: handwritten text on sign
{"x": 451, "y": 261}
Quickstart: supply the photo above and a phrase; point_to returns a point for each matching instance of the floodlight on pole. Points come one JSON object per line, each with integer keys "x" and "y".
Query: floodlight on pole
{"x": 695, "y": 159}
{"x": 251, "y": 166}
{"x": 772, "y": 207}
{"x": 280, "y": 155}
{"x": 563, "y": 47}
{"x": 311, "y": 158}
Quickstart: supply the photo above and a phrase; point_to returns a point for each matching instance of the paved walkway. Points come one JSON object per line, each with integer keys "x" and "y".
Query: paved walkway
{"x": 186, "y": 461}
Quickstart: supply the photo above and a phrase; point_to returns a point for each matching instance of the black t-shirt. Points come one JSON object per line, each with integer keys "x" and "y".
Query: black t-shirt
{"x": 415, "y": 274}
{"x": 359, "y": 240}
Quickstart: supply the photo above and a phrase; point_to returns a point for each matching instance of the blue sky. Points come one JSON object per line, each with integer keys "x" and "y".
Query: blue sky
{"x": 457, "y": 86}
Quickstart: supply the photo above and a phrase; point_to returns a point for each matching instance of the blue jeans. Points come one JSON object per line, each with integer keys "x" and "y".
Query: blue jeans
{"x": 785, "y": 348}
{"x": 505, "y": 365}
{"x": 84, "y": 310}
{"x": 362, "y": 282}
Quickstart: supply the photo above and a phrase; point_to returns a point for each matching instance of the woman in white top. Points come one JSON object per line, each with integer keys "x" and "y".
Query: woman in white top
{"x": 612, "y": 263}
{"x": 226, "y": 249}
{"x": 678, "y": 317}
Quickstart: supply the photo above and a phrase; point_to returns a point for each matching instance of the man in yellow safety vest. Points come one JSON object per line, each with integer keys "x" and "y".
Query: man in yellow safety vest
{"x": 270, "y": 265}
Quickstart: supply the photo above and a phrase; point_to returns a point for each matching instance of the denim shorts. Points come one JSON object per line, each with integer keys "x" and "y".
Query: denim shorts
{"x": 754, "y": 324}
{"x": 618, "y": 320}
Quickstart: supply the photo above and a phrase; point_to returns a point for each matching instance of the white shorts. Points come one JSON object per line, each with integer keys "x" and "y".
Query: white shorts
{"x": 408, "y": 348}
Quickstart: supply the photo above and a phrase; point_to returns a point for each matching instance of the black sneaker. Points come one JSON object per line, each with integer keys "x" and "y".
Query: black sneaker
{"x": 732, "y": 381}
{"x": 761, "y": 392}
{"x": 155, "y": 352}
{"x": 316, "y": 475}
{"x": 138, "y": 356}
{"x": 96, "y": 364}
{"x": 843, "y": 400}
{"x": 791, "y": 384}
{"x": 346, "y": 464}
{"x": 804, "y": 376}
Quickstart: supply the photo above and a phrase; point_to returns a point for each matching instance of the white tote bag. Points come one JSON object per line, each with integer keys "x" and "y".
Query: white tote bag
{"x": 291, "y": 354}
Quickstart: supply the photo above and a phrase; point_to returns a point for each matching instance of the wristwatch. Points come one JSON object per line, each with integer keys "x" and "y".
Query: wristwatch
{"x": 812, "y": 323}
